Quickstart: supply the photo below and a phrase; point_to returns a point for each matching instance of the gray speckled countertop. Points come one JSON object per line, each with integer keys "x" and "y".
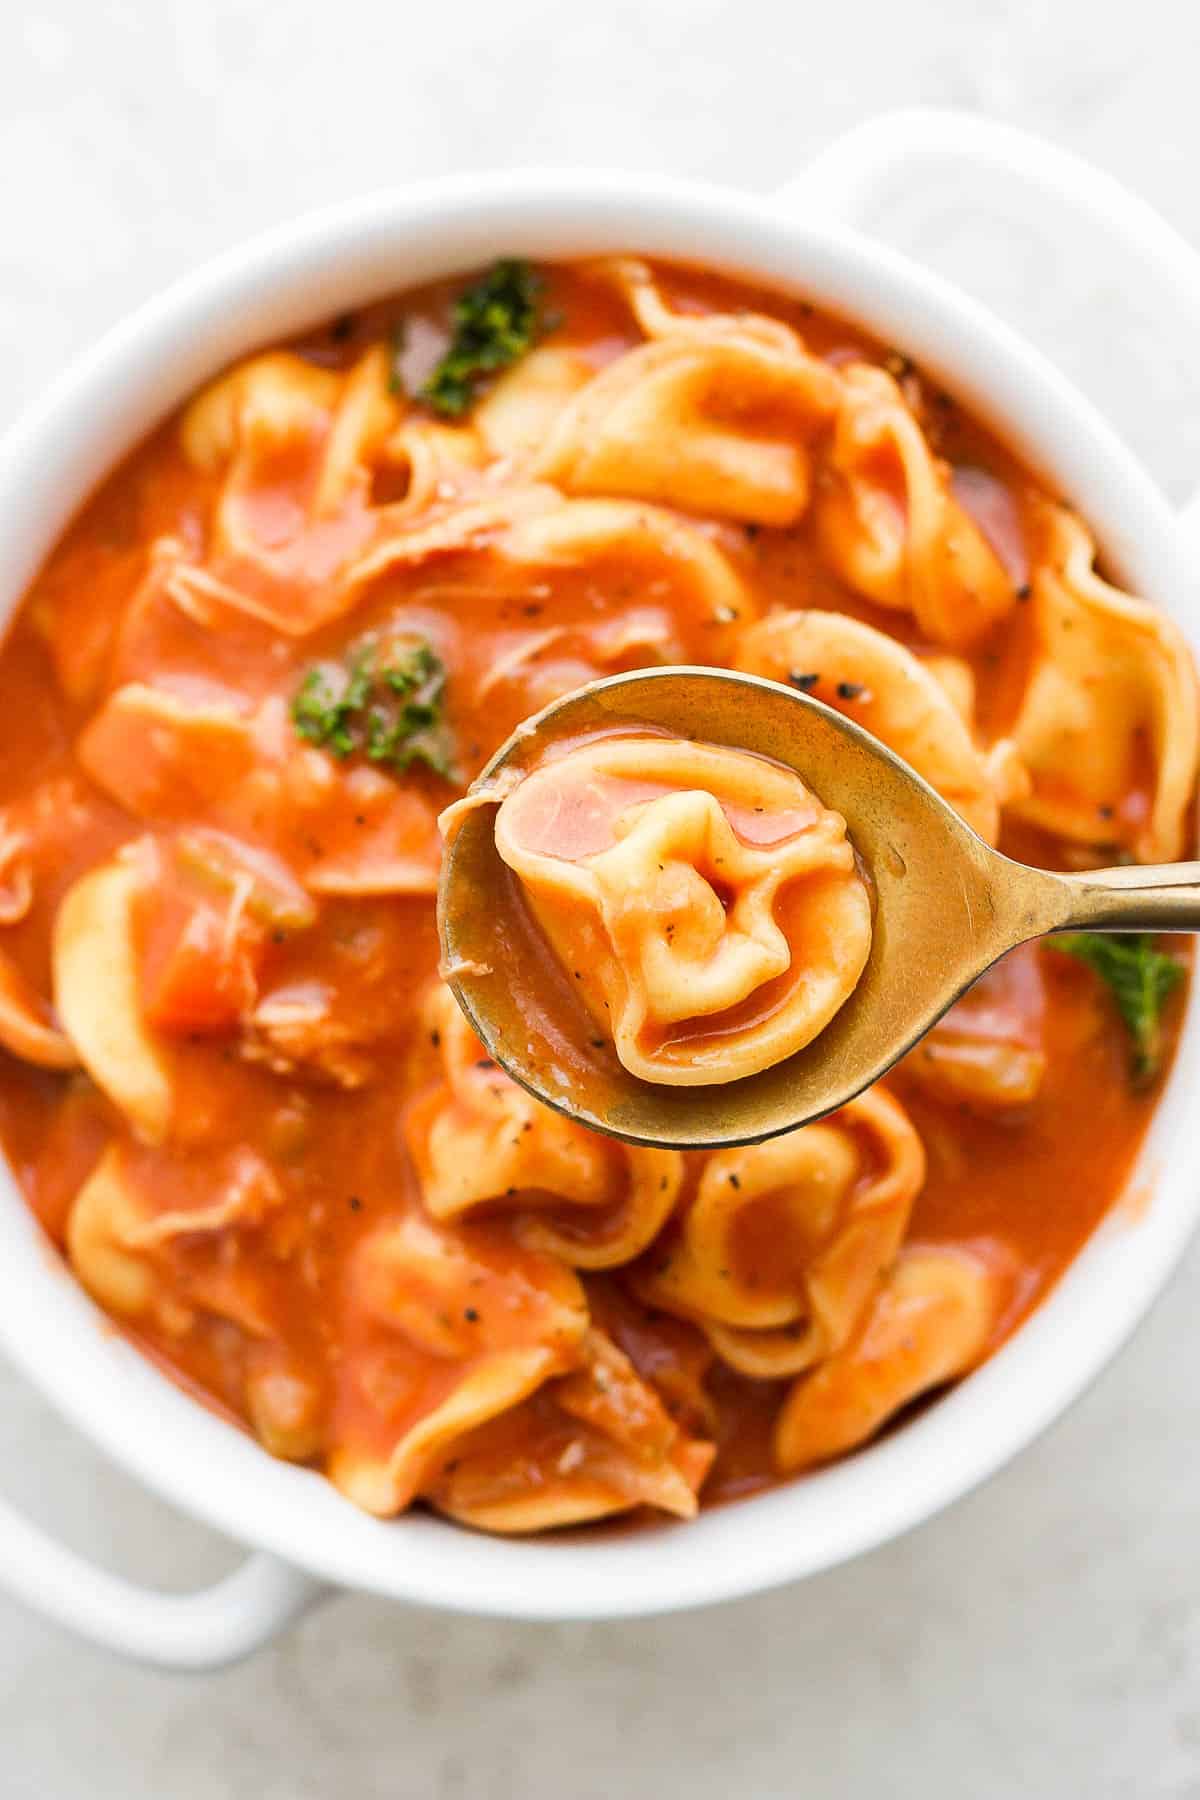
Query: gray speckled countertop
{"x": 1041, "y": 1639}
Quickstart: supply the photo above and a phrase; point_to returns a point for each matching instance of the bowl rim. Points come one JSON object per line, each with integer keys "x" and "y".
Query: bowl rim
{"x": 349, "y": 254}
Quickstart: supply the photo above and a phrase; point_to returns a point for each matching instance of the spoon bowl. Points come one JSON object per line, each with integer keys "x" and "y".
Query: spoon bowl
{"x": 946, "y": 906}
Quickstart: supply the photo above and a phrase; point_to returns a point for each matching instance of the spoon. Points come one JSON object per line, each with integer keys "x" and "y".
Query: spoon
{"x": 946, "y": 907}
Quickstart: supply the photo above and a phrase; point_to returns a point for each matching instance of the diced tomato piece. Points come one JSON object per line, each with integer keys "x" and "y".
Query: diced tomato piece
{"x": 194, "y": 978}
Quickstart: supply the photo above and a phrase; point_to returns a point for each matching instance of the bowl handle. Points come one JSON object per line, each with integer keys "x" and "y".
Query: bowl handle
{"x": 852, "y": 179}
{"x": 203, "y": 1630}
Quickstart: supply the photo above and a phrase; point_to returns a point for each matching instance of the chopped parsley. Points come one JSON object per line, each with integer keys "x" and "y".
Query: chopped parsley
{"x": 382, "y": 703}
{"x": 495, "y": 322}
{"x": 1139, "y": 977}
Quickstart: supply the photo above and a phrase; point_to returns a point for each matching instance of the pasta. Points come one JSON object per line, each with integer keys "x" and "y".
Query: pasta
{"x": 480, "y": 1142}
{"x": 447, "y": 1335}
{"x": 890, "y": 524}
{"x": 707, "y": 903}
{"x": 1111, "y": 690}
{"x": 898, "y": 699}
{"x": 784, "y": 1243}
{"x": 931, "y": 1319}
{"x": 278, "y": 645}
{"x": 97, "y": 995}
{"x": 714, "y": 414}
{"x": 604, "y": 1443}
{"x": 294, "y": 442}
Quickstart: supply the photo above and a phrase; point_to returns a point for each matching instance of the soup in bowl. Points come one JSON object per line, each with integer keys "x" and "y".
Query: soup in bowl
{"x": 271, "y": 651}
{"x": 347, "y": 1259}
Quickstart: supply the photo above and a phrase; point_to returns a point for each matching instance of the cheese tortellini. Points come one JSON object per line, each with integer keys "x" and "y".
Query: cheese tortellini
{"x": 931, "y": 1320}
{"x": 446, "y": 1331}
{"x": 482, "y": 1144}
{"x": 784, "y": 1243}
{"x": 885, "y": 688}
{"x": 97, "y": 993}
{"x": 708, "y": 906}
{"x": 1107, "y": 726}
{"x": 715, "y": 414}
{"x": 890, "y": 526}
{"x": 596, "y": 1442}
{"x": 273, "y": 424}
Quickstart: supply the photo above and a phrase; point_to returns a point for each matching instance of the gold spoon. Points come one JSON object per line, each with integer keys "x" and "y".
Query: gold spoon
{"x": 946, "y": 906}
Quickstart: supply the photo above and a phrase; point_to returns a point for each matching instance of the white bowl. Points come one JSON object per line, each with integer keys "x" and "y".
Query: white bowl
{"x": 304, "y": 1534}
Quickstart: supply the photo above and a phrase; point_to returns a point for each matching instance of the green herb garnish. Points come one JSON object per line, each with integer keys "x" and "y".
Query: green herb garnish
{"x": 1139, "y": 978}
{"x": 384, "y": 703}
{"x": 495, "y": 322}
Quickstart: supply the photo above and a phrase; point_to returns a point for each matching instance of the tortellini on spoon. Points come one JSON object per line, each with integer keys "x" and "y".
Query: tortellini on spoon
{"x": 707, "y": 907}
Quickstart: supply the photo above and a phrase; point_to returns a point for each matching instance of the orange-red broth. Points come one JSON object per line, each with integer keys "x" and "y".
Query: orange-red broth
{"x": 1038, "y": 1180}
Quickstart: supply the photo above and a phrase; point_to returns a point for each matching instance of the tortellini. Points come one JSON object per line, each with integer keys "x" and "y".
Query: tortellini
{"x": 716, "y": 415}
{"x": 27, "y": 1026}
{"x": 481, "y": 1144}
{"x": 1107, "y": 726}
{"x": 143, "y": 1259}
{"x": 178, "y": 1270}
{"x": 885, "y": 688}
{"x": 524, "y": 533}
{"x": 296, "y": 443}
{"x": 707, "y": 904}
{"x": 932, "y": 1320}
{"x": 594, "y": 1443}
{"x": 98, "y": 997}
{"x": 783, "y": 1244}
{"x": 446, "y": 1329}
{"x": 889, "y": 525}
{"x": 515, "y": 418}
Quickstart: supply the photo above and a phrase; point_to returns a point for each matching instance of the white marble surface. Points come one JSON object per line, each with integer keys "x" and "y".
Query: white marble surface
{"x": 1042, "y": 1639}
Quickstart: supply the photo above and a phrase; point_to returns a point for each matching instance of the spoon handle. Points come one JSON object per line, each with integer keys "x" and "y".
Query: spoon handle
{"x": 1134, "y": 898}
